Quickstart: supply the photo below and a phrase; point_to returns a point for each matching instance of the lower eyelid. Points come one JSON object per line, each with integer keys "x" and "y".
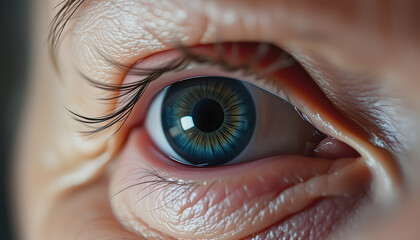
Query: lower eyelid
{"x": 148, "y": 181}
{"x": 161, "y": 165}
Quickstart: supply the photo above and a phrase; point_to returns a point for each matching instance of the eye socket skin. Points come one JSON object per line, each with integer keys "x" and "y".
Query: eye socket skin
{"x": 362, "y": 57}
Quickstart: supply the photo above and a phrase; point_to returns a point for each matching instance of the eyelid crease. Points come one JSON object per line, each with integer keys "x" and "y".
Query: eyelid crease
{"x": 129, "y": 93}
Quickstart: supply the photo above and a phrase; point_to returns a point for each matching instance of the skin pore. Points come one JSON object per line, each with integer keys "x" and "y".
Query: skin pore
{"x": 361, "y": 56}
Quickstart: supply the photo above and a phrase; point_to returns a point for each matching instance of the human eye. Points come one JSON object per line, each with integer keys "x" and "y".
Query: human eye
{"x": 216, "y": 120}
{"x": 166, "y": 173}
{"x": 313, "y": 144}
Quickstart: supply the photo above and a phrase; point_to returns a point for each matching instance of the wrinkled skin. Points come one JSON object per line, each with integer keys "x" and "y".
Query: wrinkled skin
{"x": 363, "y": 55}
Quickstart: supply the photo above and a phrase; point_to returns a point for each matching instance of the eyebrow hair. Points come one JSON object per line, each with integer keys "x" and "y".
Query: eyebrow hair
{"x": 67, "y": 8}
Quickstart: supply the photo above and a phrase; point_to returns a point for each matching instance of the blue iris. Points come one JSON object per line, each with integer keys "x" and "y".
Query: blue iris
{"x": 208, "y": 120}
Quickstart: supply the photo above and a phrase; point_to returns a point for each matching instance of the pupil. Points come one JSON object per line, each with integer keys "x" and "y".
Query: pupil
{"x": 208, "y": 115}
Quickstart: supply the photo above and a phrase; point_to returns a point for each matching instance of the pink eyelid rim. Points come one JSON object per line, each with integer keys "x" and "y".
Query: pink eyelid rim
{"x": 385, "y": 169}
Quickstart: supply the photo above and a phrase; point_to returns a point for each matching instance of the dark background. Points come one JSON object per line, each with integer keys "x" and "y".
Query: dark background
{"x": 13, "y": 72}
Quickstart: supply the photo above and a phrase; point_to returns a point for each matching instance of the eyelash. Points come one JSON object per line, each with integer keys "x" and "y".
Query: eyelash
{"x": 130, "y": 93}
{"x": 157, "y": 180}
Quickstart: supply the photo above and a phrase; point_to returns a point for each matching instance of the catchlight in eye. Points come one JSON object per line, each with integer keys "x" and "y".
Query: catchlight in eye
{"x": 215, "y": 120}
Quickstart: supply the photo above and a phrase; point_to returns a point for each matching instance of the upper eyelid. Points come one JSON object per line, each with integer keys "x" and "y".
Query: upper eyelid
{"x": 132, "y": 92}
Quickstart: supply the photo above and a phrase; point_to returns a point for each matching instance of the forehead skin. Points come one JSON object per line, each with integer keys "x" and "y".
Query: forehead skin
{"x": 380, "y": 38}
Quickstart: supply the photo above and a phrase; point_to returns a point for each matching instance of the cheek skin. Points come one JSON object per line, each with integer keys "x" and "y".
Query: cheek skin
{"x": 83, "y": 214}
